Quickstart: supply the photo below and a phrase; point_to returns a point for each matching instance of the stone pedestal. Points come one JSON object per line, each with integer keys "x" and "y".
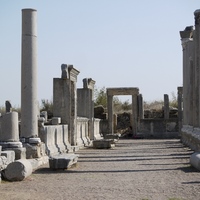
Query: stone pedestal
{"x": 85, "y": 104}
{"x": 9, "y": 134}
{"x": 65, "y": 99}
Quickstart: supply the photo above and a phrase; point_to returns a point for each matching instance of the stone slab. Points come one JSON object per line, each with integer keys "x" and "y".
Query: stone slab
{"x": 104, "y": 144}
{"x": 20, "y": 153}
{"x": 195, "y": 160}
{"x": 63, "y": 161}
{"x": 34, "y": 150}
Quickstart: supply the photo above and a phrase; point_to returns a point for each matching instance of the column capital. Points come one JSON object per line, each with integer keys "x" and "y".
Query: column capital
{"x": 185, "y": 41}
{"x": 88, "y": 83}
{"x": 69, "y": 72}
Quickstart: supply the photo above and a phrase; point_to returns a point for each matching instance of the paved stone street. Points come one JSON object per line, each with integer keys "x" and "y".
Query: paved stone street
{"x": 134, "y": 169}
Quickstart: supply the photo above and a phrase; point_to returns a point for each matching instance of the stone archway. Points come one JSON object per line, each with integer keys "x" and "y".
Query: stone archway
{"x": 134, "y": 92}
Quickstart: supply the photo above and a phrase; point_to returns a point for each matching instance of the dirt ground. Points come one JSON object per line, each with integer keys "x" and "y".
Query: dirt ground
{"x": 134, "y": 169}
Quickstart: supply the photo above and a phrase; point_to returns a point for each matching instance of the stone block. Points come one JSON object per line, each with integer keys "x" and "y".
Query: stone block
{"x": 59, "y": 138}
{"x": 56, "y": 120}
{"x": 114, "y": 136}
{"x": 195, "y": 160}
{"x": 20, "y": 153}
{"x": 47, "y": 136}
{"x": 34, "y": 140}
{"x": 55, "y": 138}
{"x": 3, "y": 162}
{"x": 11, "y": 145}
{"x": 18, "y": 170}
{"x": 103, "y": 144}
{"x": 63, "y": 161}
{"x": 34, "y": 150}
{"x": 10, "y": 155}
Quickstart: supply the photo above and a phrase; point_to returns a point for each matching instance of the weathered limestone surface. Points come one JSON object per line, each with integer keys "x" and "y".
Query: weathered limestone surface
{"x": 63, "y": 161}
{"x": 104, "y": 144}
{"x": 82, "y": 132}
{"x": 97, "y": 131}
{"x": 29, "y": 101}
{"x": 85, "y": 104}
{"x": 10, "y": 155}
{"x": 9, "y": 131}
{"x": 65, "y": 99}
{"x": 18, "y": 170}
{"x": 55, "y": 138}
{"x": 190, "y": 132}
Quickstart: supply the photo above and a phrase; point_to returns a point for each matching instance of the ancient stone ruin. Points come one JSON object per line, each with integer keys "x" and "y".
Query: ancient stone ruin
{"x": 190, "y": 132}
{"x": 37, "y": 139}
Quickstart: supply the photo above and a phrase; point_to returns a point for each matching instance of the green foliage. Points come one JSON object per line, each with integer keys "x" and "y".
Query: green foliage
{"x": 100, "y": 97}
{"x": 157, "y": 105}
{"x": 47, "y": 106}
{"x": 173, "y": 102}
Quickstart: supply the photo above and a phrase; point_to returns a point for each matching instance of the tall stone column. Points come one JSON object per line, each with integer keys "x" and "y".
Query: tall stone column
{"x": 191, "y": 92}
{"x": 29, "y": 101}
{"x": 180, "y": 108}
{"x": 110, "y": 112}
{"x": 166, "y": 106}
{"x": 197, "y": 63}
{"x": 188, "y": 54}
{"x": 85, "y": 106}
{"x": 141, "y": 107}
{"x": 65, "y": 99}
{"x": 134, "y": 118}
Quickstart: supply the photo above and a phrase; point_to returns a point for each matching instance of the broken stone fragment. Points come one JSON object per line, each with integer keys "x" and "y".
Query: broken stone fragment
{"x": 18, "y": 170}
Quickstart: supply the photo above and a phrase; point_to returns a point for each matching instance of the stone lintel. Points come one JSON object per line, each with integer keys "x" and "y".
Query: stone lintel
{"x": 88, "y": 83}
{"x": 122, "y": 91}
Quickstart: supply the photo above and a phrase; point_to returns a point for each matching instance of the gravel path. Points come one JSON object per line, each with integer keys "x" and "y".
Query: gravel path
{"x": 134, "y": 169}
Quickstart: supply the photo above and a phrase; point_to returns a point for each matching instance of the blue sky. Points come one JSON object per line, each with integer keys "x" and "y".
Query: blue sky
{"x": 117, "y": 43}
